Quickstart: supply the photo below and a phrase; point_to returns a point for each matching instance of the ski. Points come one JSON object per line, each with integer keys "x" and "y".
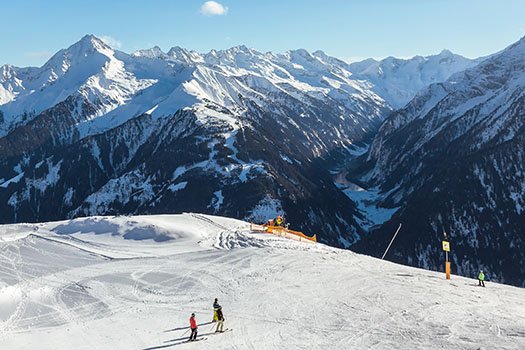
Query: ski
{"x": 224, "y": 331}
{"x": 193, "y": 341}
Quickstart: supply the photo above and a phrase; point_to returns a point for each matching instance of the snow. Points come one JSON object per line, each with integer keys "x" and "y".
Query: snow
{"x": 88, "y": 69}
{"x": 398, "y": 80}
{"x": 479, "y": 104}
{"x": 150, "y": 111}
{"x": 367, "y": 200}
{"x": 285, "y": 158}
{"x": 245, "y": 167}
{"x": 12, "y": 180}
{"x": 110, "y": 87}
{"x": 132, "y": 186}
{"x": 50, "y": 179}
{"x": 104, "y": 282}
{"x": 367, "y": 203}
{"x": 119, "y": 86}
{"x": 267, "y": 208}
{"x": 217, "y": 200}
{"x": 178, "y": 187}
{"x": 357, "y": 151}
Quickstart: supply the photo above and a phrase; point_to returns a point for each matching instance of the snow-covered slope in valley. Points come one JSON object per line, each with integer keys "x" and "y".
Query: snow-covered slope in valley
{"x": 132, "y": 283}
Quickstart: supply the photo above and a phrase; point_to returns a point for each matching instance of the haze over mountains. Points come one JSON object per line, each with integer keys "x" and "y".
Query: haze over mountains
{"x": 96, "y": 131}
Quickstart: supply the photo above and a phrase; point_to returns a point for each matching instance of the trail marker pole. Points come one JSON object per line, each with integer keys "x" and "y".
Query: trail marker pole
{"x": 387, "y": 248}
{"x": 446, "y": 248}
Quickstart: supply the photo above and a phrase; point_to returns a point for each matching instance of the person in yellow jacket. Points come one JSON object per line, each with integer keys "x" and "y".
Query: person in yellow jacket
{"x": 216, "y": 307}
{"x": 481, "y": 279}
{"x": 220, "y": 320}
{"x": 279, "y": 221}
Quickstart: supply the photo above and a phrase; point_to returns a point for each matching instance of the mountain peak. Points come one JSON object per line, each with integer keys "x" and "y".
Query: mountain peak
{"x": 154, "y": 52}
{"x": 300, "y": 52}
{"x": 177, "y": 49}
{"x": 235, "y": 50}
{"x": 184, "y": 56}
{"x": 89, "y": 41}
{"x": 238, "y": 48}
{"x": 321, "y": 55}
{"x": 88, "y": 46}
{"x": 446, "y": 52}
{"x": 89, "y": 38}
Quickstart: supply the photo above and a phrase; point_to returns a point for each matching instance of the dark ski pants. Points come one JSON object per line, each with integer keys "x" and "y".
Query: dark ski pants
{"x": 481, "y": 283}
{"x": 193, "y": 334}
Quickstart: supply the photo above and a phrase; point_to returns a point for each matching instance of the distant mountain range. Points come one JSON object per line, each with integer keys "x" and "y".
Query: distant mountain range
{"x": 247, "y": 134}
{"x": 453, "y": 160}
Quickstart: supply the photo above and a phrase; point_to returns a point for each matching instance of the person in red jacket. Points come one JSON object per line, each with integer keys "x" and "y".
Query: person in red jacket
{"x": 193, "y": 326}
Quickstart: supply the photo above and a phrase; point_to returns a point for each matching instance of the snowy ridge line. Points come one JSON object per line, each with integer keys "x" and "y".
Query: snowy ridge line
{"x": 211, "y": 222}
{"x": 50, "y": 239}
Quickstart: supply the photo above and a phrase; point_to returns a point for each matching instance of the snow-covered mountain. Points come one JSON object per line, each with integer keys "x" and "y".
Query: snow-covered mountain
{"x": 238, "y": 132}
{"x": 398, "y": 80}
{"x": 233, "y": 132}
{"x": 89, "y": 72}
{"x": 132, "y": 283}
{"x": 453, "y": 160}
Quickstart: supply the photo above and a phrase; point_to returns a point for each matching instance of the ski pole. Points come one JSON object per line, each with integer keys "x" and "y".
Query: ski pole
{"x": 395, "y": 234}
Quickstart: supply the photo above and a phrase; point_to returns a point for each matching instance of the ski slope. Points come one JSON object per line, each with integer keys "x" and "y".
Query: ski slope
{"x": 132, "y": 283}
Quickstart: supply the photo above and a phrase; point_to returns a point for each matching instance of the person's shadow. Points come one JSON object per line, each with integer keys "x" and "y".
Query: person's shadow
{"x": 186, "y": 327}
{"x": 181, "y": 340}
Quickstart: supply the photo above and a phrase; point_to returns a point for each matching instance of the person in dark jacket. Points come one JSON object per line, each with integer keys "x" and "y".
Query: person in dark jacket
{"x": 193, "y": 327}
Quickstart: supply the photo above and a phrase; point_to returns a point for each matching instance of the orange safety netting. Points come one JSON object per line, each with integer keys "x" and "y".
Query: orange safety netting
{"x": 284, "y": 232}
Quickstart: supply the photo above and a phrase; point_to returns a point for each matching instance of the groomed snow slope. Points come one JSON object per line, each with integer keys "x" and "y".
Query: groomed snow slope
{"x": 132, "y": 282}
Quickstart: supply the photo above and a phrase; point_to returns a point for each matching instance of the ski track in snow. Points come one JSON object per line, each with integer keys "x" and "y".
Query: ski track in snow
{"x": 100, "y": 291}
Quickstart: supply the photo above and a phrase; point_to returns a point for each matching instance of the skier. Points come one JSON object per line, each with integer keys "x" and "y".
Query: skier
{"x": 193, "y": 326}
{"x": 279, "y": 221}
{"x": 481, "y": 279}
{"x": 220, "y": 320}
{"x": 216, "y": 306}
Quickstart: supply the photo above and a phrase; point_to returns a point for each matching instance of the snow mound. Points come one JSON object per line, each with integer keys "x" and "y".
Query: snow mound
{"x": 127, "y": 228}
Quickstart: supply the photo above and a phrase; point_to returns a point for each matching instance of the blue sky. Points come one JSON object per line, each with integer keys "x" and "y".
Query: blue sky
{"x": 32, "y": 30}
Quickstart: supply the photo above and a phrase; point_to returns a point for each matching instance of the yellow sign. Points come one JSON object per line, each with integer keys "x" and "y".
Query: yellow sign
{"x": 446, "y": 246}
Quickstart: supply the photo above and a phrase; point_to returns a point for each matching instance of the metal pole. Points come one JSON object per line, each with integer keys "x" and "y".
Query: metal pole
{"x": 395, "y": 234}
